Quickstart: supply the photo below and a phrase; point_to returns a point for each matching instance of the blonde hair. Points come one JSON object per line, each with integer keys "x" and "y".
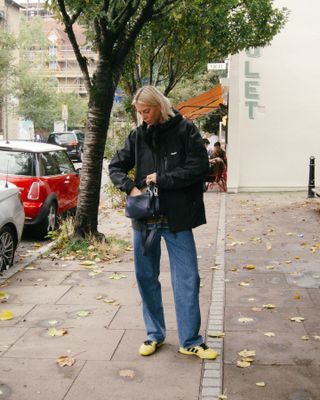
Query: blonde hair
{"x": 151, "y": 96}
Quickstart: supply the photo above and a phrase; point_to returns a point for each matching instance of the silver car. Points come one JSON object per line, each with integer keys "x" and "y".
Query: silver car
{"x": 11, "y": 222}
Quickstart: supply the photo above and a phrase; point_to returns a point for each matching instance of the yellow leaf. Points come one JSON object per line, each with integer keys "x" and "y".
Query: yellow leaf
{"x": 260, "y": 384}
{"x": 270, "y": 267}
{"x": 296, "y": 296}
{"x": 87, "y": 263}
{"x": 65, "y": 361}
{"x": 296, "y": 257}
{"x": 52, "y": 322}
{"x": 83, "y": 313}
{"x": 289, "y": 234}
{"x": 3, "y": 296}
{"x": 247, "y": 353}
{"x": 109, "y": 301}
{"x": 216, "y": 334}
{"x": 243, "y": 364}
{"x": 305, "y": 337}
{"x": 256, "y": 309}
{"x": 6, "y": 315}
{"x": 270, "y": 334}
{"x": 268, "y": 246}
{"x": 244, "y": 284}
{"x": 316, "y": 337}
{"x": 234, "y": 269}
{"x": 249, "y": 266}
{"x": 99, "y": 297}
{"x": 222, "y": 397}
{"x": 297, "y": 319}
{"x": 251, "y": 299}
{"x": 255, "y": 239}
{"x": 117, "y": 276}
{"x": 244, "y": 320}
{"x": 57, "y": 332}
{"x": 269, "y": 306}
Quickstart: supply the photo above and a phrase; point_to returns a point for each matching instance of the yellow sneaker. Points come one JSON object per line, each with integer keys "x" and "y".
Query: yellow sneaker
{"x": 201, "y": 351}
{"x": 149, "y": 347}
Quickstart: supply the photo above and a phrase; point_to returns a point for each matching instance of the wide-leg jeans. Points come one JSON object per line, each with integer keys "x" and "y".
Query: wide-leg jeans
{"x": 185, "y": 282}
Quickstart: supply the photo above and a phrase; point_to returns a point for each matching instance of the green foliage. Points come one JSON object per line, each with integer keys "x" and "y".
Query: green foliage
{"x": 179, "y": 45}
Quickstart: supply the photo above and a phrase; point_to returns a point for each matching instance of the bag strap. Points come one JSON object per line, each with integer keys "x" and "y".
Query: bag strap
{"x": 147, "y": 238}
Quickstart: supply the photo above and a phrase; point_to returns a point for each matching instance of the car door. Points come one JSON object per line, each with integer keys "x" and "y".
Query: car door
{"x": 71, "y": 180}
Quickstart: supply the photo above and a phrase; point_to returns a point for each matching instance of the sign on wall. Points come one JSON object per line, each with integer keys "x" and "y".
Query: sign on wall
{"x": 251, "y": 82}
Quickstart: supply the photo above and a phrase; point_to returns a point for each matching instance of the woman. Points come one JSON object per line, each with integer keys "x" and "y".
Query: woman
{"x": 166, "y": 150}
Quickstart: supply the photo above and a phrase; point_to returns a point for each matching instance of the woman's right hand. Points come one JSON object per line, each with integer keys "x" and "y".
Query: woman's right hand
{"x": 135, "y": 192}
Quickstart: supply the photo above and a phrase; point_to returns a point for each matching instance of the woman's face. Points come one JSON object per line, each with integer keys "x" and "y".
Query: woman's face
{"x": 151, "y": 115}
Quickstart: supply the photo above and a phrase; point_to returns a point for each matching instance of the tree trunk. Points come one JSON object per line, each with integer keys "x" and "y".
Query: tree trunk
{"x": 100, "y": 105}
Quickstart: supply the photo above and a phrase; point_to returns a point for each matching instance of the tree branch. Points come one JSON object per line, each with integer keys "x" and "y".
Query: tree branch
{"x": 82, "y": 61}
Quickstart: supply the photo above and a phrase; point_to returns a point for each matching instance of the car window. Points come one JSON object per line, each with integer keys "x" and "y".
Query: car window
{"x": 17, "y": 163}
{"x": 48, "y": 165}
{"x": 63, "y": 161}
{"x": 64, "y": 137}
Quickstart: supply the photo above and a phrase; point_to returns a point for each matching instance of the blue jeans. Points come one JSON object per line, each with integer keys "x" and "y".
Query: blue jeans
{"x": 185, "y": 282}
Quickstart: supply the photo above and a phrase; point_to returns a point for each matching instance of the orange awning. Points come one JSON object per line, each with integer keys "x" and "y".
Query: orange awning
{"x": 202, "y": 104}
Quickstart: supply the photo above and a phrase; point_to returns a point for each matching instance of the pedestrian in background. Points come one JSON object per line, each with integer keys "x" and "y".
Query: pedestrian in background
{"x": 166, "y": 150}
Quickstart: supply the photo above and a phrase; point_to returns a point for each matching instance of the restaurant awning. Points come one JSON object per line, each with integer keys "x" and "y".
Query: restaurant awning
{"x": 203, "y": 104}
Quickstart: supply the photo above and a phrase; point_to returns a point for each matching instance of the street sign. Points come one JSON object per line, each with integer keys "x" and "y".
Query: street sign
{"x": 216, "y": 66}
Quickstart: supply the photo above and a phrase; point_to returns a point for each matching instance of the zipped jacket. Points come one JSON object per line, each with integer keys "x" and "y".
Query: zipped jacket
{"x": 175, "y": 151}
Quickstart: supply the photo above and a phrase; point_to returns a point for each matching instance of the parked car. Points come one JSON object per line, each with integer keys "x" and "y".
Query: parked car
{"x": 47, "y": 180}
{"x": 71, "y": 140}
{"x": 11, "y": 222}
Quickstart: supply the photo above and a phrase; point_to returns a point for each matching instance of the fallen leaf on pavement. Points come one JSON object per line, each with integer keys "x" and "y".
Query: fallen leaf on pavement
{"x": 297, "y": 319}
{"x": 222, "y": 397}
{"x": 316, "y": 337}
{"x": 268, "y": 246}
{"x": 256, "y": 309}
{"x": 244, "y": 284}
{"x": 243, "y": 364}
{"x": 244, "y": 320}
{"x": 83, "y": 313}
{"x": 216, "y": 334}
{"x": 6, "y": 315}
{"x": 270, "y": 267}
{"x": 305, "y": 337}
{"x": 296, "y": 296}
{"x": 249, "y": 266}
{"x": 87, "y": 263}
{"x": 3, "y": 297}
{"x": 260, "y": 384}
{"x": 57, "y": 332}
{"x": 269, "y": 306}
{"x": 65, "y": 361}
{"x": 117, "y": 276}
{"x": 270, "y": 334}
{"x": 247, "y": 353}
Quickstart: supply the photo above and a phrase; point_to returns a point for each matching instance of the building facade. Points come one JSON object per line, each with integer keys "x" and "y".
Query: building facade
{"x": 9, "y": 22}
{"x": 274, "y": 102}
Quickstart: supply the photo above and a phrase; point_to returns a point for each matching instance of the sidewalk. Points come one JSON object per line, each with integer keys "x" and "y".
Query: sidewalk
{"x": 277, "y": 234}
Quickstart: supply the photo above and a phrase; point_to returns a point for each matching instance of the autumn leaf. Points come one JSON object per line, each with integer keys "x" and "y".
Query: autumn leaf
{"x": 260, "y": 384}
{"x": 305, "y": 337}
{"x": 256, "y": 309}
{"x": 216, "y": 334}
{"x": 244, "y": 284}
{"x": 316, "y": 337}
{"x": 243, "y": 364}
{"x": 57, "y": 332}
{"x": 247, "y": 353}
{"x": 83, "y": 313}
{"x": 249, "y": 266}
{"x": 244, "y": 320}
{"x": 270, "y": 334}
{"x": 268, "y": 246}
{"x": 6, "y": 315}
{"x": 270, "y": 267}
{"x": 65, "y": 361}
{"x": 269, "y": 306}
{"x": 222, "y": 397}
{"x": 297, "y": 319}
{"x": 296, "y": 296}
{"x": 87, "y": 263}
{"x": 3, "y": 297}
{"x": 115, "y": 276}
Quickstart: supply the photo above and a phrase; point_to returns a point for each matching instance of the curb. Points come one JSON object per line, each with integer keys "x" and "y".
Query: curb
{"x": 213, "y": 370}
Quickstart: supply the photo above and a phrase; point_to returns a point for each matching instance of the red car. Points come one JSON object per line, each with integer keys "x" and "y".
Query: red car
{"x": 47, "y": 179}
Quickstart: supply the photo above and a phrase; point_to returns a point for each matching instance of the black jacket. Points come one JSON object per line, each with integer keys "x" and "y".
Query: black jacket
{"x": 175, "y": 151}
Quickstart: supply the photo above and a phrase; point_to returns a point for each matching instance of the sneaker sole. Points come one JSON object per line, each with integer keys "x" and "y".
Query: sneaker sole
{"x": 203, "y": 357}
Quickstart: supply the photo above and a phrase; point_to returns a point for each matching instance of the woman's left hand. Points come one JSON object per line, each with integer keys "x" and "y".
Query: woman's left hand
{"x": 152, "y": 178}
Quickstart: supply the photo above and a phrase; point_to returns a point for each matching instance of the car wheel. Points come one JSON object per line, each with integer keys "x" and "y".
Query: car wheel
{"x": 7, "y": 247}
{"x": 48, "y": 224}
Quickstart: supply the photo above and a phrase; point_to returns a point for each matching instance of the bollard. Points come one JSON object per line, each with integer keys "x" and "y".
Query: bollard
{"x": 311, "y": 178}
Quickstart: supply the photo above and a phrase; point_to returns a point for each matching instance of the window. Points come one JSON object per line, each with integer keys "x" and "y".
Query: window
{"x": 16, "y": 163}
{"x": 63, "y": 161}
{"x": 48, "y": 165}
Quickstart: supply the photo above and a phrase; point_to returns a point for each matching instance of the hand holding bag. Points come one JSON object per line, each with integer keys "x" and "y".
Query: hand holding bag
{"x": 144, "y": 205}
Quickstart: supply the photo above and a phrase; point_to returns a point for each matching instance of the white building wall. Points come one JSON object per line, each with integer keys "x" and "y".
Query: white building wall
{"x": 270, "y": 149}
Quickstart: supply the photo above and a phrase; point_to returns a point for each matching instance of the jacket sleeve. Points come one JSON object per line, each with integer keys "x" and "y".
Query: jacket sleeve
{"x": 122, "y": 162}
{"x": 195, "y": 167}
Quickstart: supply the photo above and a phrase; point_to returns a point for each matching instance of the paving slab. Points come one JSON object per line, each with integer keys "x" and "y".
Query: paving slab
{"x": 143, "y": 380}
{"x": 9, "y": 335}
{"x": 36, "y": 294}
{"x": 23, "y": 379}
{"x": 80, "y": 343}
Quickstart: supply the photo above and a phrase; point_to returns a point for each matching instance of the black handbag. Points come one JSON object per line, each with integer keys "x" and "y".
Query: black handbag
{"x": 143, "y": 206}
